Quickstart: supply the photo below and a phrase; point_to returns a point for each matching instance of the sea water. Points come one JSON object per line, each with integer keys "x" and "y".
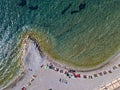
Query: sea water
{"x": 84, "y": 39}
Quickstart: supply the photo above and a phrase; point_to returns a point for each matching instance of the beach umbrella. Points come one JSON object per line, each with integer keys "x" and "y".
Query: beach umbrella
{"x": 50, "y": 89}
{"x": 71, "y": 71}
{"x": 23, "y": 88}
{"x": 104, "y": 72}
{"x": 110, "y": 71}
{"x": 67, "y": 74}
{"x": 84, "y": 76}
{"x": 100, "y": 74}
{"x": 50, "y": 67}
{"x": 95, "y": 75}
{"x": 56, "y": 69}
{"x": 77, "y": 76}
{"x": 61, "y": 71}
{"x": 34, "y": 76}
{"x": 118, "y": 65}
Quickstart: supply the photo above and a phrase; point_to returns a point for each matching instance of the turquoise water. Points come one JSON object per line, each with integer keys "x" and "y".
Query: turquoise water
{"x": 84, "y": 39}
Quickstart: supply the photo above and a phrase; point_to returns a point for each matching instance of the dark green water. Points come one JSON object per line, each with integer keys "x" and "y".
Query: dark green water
{"x": 84, "y": 39}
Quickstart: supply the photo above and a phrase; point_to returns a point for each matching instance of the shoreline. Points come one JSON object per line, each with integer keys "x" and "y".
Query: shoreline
{"x": 45, "y": 49}
{"x": 22, "y": 72}
{"x": 67, "y": 67}
{"x": 70, "y": 67}
{"x": 14, "y": 81}
{"x": 33, "y": 36}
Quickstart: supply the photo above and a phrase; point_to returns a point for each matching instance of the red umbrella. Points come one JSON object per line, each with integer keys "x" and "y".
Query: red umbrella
{"x": 65, "y": 72}
{"x": 23, "y": 88}
{"x": 78, "y": 76}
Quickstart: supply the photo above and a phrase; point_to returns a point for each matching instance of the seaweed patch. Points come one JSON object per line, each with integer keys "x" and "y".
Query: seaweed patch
{"x": 22, "y": 3}
{"x": 82, "y": 6}
{"x": 74, "y": 11}
{"x": 33, "y": 7}
{"x": 66, "y": 8}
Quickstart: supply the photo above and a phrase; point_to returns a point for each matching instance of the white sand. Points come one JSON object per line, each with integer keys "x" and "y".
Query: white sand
{"x": 32, "y": 57}
{"x": 47, "y": 78}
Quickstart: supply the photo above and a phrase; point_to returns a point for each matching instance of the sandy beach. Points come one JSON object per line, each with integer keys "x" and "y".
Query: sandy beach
{"x": 38, "y": 75}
